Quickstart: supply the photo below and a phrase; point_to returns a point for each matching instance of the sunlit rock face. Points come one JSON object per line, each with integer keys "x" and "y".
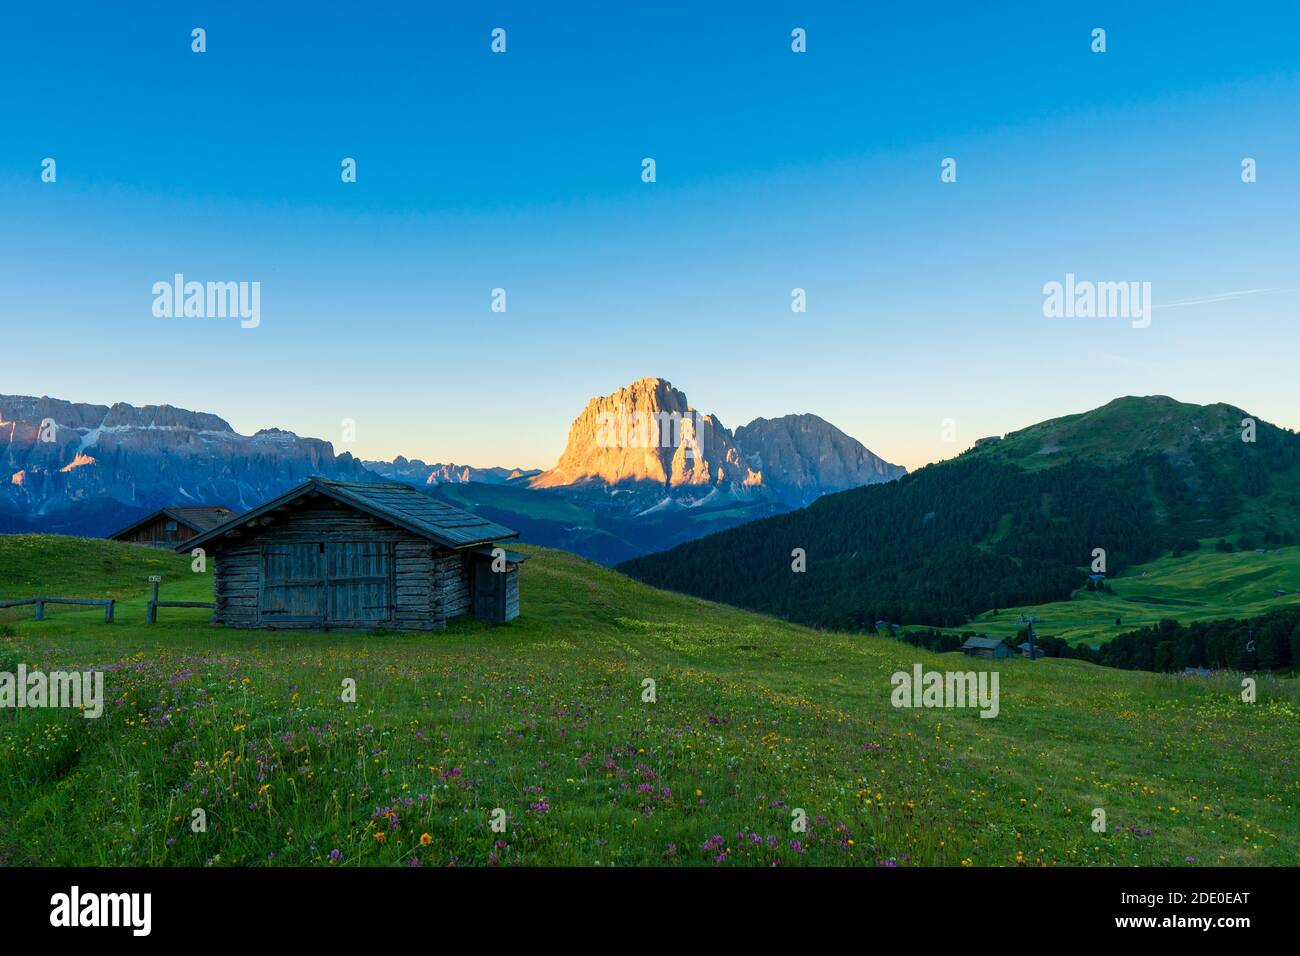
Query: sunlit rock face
{"x": 647, "y": 438}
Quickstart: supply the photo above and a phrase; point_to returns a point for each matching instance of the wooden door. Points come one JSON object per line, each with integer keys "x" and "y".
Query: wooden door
{"x": 489, "y": 592}
{"x": 358, "y": 583}
{"x": 293, "y": 585}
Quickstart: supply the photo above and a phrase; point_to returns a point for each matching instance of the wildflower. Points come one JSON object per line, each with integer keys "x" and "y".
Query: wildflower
{"x": 425, "y": 839}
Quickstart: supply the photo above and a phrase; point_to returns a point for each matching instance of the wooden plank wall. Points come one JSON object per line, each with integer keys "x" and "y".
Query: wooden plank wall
{"x": 430, "y": 585}
{"x": 155, "y": 534}
{"x": 236, "y": 572}
{"x": 451, "y": 585}
{"x": 512, "y": 592}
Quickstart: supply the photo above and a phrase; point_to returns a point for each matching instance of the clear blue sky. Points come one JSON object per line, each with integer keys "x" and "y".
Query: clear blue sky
{"x": 522, "y": 171}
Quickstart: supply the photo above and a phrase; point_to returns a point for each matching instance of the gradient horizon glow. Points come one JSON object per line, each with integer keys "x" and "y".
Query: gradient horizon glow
{"x": 775, "y": 170}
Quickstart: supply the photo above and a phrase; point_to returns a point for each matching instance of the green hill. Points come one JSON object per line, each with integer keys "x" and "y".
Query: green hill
{"x": 1202, "y": 585}
{"x": 1010, "y": 523}
{"x": 89, "y": 568}
{"x": 1120, "y": 429}
{"x": 545, "y": 719}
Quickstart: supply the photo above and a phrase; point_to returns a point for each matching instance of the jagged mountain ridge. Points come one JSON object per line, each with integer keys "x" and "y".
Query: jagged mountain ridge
{"x": 647, "y": 441}
{"x": 416, "y": 472}
{"x": 804, "y": 456}
{"x": 88, "y": 469}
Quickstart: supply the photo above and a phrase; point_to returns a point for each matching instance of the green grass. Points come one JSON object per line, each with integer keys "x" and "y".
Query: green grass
{"x": 544, "y": 719}
{"x": 1116, "y": 430}
{"x": 30, "y": 566}
{"x": 1202, "y": 585}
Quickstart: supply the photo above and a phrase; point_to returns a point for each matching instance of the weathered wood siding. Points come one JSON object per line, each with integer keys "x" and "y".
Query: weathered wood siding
{"x": 292, "y": 573}
{"x": 236, "y": 573}
{"x": 451, "y": 585}
{"x": 156, "y": 534}
{"x": 496, "y": 593}
{"x": 512, "y": 592}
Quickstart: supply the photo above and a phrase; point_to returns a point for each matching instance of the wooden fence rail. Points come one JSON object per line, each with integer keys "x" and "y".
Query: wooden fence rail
{"x": 40, "y": 602}
{"x": 151, "y": 611}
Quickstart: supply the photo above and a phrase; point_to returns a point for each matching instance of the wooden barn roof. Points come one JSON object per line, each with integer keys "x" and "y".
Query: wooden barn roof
{"x": 194, "y": 517}
{"x": 985, "y": 643}
{"x": 398, "y": 504}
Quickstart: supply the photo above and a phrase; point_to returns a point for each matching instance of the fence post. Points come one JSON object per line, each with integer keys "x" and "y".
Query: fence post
{"x": 108, "y": 611}
{"x": 40, "y": 610}
{"x": 151, "y": 614}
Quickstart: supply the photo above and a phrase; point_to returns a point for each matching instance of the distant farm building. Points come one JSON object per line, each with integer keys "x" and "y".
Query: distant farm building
{"x": 985, "y": 647}
{"x": 173, "y": 526}
{"x": 333, "y": 554}
{"x": 1024, "y": 650}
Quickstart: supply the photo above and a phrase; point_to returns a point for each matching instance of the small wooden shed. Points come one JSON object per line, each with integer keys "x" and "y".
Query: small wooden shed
{"x": 333, "y": 554}
{"x": 172, "y": 526}
{"x": 985, "y": 647}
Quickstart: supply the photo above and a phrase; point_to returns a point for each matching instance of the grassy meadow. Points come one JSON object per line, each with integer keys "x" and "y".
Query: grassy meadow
{"x": 1201, "y": 585}
{"x": 544, "y": 719}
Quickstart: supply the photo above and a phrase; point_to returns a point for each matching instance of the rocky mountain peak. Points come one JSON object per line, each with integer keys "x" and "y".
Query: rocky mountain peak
{"x": 804, "y": 456}
{"x": 647, "y": 432}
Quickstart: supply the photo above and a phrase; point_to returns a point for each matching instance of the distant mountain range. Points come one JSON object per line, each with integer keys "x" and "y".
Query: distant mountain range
{"x": 1013, "y": 521}
{"x": 75, "y": 468}
{"x": 649, "y": 446}
{"x": 416, "y": 472}
{"x": 643, "y": 470}
{"x": 618, "y": 491}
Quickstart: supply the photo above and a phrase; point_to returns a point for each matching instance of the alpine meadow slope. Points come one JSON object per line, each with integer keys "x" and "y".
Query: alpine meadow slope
{"x": 546, "y": 719}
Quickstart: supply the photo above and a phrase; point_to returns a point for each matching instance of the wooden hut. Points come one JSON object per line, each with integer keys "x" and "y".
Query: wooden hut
{"x": 173, "y": 526}
{"x": 334, "y": 554}
{"x": 985, "y": 647}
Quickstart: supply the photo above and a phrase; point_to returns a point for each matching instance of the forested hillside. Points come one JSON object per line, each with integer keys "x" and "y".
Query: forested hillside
{"x": 1010, "y": 523}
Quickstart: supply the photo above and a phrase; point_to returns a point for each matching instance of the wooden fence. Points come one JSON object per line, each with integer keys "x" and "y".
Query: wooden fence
{"x": 40, "y": 602}
{"x": 108, "y": 604}
{"x": 151, "y": 613}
